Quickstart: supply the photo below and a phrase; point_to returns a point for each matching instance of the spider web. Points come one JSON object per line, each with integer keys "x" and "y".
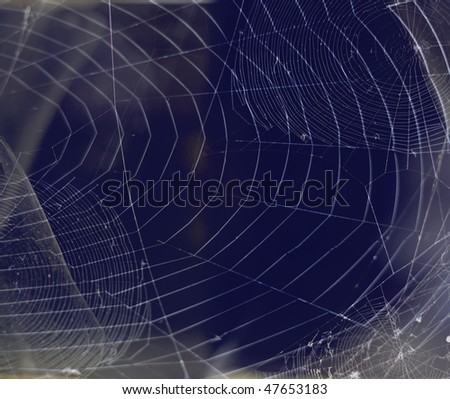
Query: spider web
{"x": 226, "y": 90}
